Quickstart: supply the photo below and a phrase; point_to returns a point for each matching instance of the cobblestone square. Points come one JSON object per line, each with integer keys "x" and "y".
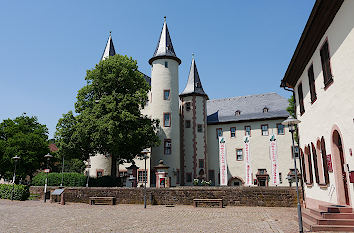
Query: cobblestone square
{"x": 36, "y": 216}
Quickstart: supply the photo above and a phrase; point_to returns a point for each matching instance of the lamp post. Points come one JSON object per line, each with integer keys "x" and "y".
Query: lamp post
{"x": 47, "y": 156}
{"x": 291, "y": 122}
{"x": 16, "y": 158}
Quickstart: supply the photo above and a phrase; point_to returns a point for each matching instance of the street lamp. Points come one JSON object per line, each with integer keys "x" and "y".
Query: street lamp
{"x": 48, "y": 157}
{"x": 144, "y": 152}
{"x": 291, "y": 122}
{"x": 62, "y": 173}
{"x": 16, "y": 158}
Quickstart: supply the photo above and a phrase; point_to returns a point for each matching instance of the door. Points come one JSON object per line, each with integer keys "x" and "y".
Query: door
{"x": 338, "y": 156}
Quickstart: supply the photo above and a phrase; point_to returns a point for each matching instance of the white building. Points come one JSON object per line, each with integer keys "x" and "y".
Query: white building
{"x": 321, "y": 73}
{"x": 190, "y": 125}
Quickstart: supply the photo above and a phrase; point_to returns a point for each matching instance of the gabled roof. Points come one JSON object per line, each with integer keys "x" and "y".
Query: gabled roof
{"x": 250, "y": 107}
{"x": 109, "y": 49}
{"x": 164, "y": 48}
{"x": 194, "y": 85}
{"x": 320, "y": 19}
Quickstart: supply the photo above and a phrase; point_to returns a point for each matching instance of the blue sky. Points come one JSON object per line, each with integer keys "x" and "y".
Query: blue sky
{"x": 241, "y": 47}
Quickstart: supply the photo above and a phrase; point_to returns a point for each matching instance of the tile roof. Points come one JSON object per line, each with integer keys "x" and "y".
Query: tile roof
{"x": 250, "y": 107}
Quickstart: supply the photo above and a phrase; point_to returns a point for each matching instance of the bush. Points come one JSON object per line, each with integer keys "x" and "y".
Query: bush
{"x": 21, "y": 192}
{"x": 54, "y": 179}
{"x": 105, "y": 181}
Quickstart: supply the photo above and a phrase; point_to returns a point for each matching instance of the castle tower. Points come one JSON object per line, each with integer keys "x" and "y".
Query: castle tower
{"x": 194, "y": 160}
{"x": 101, "y": 165}
{"x": 164, "y": 102}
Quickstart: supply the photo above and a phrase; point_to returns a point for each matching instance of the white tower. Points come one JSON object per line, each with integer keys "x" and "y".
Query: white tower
{"x": 165, "y": 104}
{"x": 101, "y": 165}
{"x": 194, "y": 159}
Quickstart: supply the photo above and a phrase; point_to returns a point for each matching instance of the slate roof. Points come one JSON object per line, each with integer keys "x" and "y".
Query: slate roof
{"x": 251, "y": 108}
{"x": 194, "y": 85}
{"x": 109, "y": 49}
{"x": 164, "y": 48}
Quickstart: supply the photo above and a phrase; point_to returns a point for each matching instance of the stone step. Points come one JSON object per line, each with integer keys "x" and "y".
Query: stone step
{"x": 336, "y": 208}
{"x": 337, "y": 222}
{"x": 338, "y": 215}
{"x": 332, "y": 228}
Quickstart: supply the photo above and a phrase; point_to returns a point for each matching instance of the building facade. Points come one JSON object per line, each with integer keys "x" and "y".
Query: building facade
{"x": 321, "y": 74}
{"x": 191, "y": 126}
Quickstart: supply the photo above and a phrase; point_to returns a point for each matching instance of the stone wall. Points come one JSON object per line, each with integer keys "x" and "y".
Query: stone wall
{"x": 233, "y": 196}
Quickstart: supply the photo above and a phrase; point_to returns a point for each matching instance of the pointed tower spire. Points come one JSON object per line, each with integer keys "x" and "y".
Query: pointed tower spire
{"x": 194, "y": 85}
{"x": 164, "y": 47}
{"x": 109, "y": 50}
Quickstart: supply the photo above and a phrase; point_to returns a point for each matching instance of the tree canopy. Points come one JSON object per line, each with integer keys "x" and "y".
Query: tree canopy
{"x": 108, "y": 117}
{"x": 25, "y": 137}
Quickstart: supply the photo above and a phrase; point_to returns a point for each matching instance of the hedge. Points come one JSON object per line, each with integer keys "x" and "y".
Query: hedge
{"x": 71, "y": 179}
{"x": 74, "y": 180}
{"x": 21, "y": 192}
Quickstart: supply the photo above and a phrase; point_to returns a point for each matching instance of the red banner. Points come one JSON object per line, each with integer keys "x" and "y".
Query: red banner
{"x": 329, "y": 163}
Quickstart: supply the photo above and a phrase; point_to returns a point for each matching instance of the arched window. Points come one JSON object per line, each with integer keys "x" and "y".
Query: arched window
{"x": 320, "y": 163}
{"x": 308, "y": 164}
{"x": 237, "y": 113}
{"x": 265, "y": 109}
{"x": 315, "y": 163}
{"x": 324, "y": 160}
{"x": 303, "y": 165}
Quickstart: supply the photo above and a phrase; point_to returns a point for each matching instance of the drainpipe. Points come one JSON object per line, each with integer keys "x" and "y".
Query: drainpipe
{"x": 283, "y": 85}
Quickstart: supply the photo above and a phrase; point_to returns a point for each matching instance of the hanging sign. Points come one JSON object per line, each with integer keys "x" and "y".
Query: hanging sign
{"x": 274, "y": 159}
{"x": 248, "y": 180}
{"x": 222, "y": 162}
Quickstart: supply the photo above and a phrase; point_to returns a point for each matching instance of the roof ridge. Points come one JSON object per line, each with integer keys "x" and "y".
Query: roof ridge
{"x": 245, "y": 96}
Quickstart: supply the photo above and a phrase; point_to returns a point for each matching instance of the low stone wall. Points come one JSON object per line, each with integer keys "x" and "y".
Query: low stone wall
{"x": 232, "y": 196}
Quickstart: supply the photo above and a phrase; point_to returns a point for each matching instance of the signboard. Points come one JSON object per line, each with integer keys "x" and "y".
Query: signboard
{"x": 246, "y": 150}
{"x": 329, "y": 163}
{"x": 46, "y": 170}
{"x": 274, "y": 159}
{"x": 222, "y": 162}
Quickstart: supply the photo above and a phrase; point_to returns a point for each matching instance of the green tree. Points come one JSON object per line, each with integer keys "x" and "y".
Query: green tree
{"x": 24, "y": 137}
{"x": 108, "y": 116}
{"x": 291, "y": 107}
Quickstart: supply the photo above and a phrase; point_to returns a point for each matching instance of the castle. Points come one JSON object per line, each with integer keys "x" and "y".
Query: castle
{"x": 191, "y": 126}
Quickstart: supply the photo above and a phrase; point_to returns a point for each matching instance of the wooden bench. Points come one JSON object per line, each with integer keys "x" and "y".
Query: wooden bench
{"x": 208, "y": 203}
{"x": 102, "y": 200}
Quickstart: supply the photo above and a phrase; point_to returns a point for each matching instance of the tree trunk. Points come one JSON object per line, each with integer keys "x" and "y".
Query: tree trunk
{"x": 114, "y": 166}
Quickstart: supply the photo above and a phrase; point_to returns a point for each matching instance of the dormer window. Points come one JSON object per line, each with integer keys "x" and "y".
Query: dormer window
{"x": 197, "y": 85}
{"x": 237, "y": 113}
{"x": 265, "y": 109}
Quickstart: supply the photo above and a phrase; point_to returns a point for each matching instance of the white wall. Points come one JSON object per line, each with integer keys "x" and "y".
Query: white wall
{"x": 334, "y": 105}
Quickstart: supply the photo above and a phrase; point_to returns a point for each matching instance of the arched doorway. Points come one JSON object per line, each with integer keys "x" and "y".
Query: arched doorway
{"x": 340, "y": 173}
{"x": 235, "y": 181}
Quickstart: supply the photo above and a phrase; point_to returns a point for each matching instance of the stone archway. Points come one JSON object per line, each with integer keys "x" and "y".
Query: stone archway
{"x": 235, "y": 181}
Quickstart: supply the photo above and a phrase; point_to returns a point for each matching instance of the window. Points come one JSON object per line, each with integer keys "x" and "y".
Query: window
{"x": 211, "y": 176}
{"x": 142, "y": 176}
{"x": 280, "y": 178}
{"x": 188, "y": 106}
{"x": 326, "y": 65}
{"x": 301, "y": 98}
{"x": 201, "y": 163}
{"x": 315, "y": 163}
{"x": 233, "y": 132}
{"x": 264, "y": 130}
{"x": 247, "y": 130}
{"x": 166, "y": 64}
{"x": 167, "y": 147}
{"x": 167, "y": 119}
{"x": 265, "y": 110}
{"x": 311, "y": 76}
{"x": 239, "y": 154}
{"x": 308, "y": 165}
{"x": 189, "y": 177}
{"x": 166, "y": 94}
{"x": 237, "y": 113}
{"x": 280, "y": 129}
{"x": 99, "y": 173}
{"x": 188, "y": 123}
{"x": 218, "y": 132}
{"x": 324, "y": 160}
{"x": 123, "y": 174}
{"x": 200, "y": 128}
